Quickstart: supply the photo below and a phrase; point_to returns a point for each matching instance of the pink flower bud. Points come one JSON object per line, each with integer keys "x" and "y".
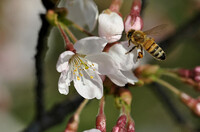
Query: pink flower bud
{"x": 193, "y": 104}
{"x": 101, "y": 122}
{"x": 197, "y": 78}
{"x": 197, "y": 70}
{"x": 101, "y": 118}
{"x": 72, "y": 124}
{"x": 131, "y": 126}
{"x": 120, "y": 125}
{"x": 111, "y": 26}
{"x": 133, "y": 20}
{"x": 184, "y": 73}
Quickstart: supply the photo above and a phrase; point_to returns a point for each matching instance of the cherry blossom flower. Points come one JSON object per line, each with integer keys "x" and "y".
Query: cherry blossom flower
{"x": 84, "y": 67}
{"x": 126, "y": 63}
{"x": 110, "y": 26}
{"x": 83, "y": 12}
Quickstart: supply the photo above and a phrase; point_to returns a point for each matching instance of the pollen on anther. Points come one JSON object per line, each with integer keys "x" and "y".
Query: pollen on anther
{"x": 81, "y": 74}
{"x": 91, "y": 77}
{"x": 78, "y": 78}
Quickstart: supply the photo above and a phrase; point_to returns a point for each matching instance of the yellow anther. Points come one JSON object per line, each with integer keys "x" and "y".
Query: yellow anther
{"x": 80, "y": 74}
{"x": 93, "y": 69}
{"x": 75, "y": 70}
{"x": 91, "y": 77}
{"x": 78, "y": 78}
{"x": 92, "y": 64}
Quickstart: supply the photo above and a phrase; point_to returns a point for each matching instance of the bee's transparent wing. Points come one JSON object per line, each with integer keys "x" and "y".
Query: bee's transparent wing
{"x": 156, "y": 30}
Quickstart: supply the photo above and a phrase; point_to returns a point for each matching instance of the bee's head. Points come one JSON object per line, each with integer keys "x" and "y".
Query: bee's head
{"x": 130, "y": 33}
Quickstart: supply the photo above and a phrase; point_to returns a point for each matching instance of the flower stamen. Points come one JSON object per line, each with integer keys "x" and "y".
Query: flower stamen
{"x": 78, "y": 64}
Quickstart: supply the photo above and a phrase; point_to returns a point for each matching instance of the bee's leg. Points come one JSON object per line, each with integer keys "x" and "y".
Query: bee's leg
{"x": 131, "y": 49}
{"x": 129, "y": 42}
{"x": 140, "y": 54}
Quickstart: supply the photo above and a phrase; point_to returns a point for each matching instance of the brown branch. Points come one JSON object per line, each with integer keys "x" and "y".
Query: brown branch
{"x": 39, "y": 58}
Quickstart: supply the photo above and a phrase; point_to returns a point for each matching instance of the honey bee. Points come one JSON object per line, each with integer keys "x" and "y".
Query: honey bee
{"x": 141, "y": 40}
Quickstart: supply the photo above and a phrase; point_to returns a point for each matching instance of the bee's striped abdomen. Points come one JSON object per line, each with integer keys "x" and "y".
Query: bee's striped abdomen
{"x": 154, "y": 49}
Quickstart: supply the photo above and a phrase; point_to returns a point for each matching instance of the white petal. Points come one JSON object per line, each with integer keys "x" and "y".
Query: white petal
{"x": 75, "y": 13}
{"x": 126, "y": 61}
{"x": 64, "y": 82}
{"x": 82, "y": 12}
{"x": 111, "y": 26}
{"x": 130, "y": 77}
{"x": 106, "y": 64}
{"x": 92, "y": 130}
{"x": 118, "y": 78}
{"x": 90, "y": 45}
{"x": 62, "y": 63}
{"x": 91, "y": 13}
{"x": 88, "y": 87}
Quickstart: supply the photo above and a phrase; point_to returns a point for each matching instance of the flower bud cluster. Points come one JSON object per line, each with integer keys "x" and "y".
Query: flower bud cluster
{"x": 193, "y": 104}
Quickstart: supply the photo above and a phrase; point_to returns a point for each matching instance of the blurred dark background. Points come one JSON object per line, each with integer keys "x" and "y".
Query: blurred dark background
{"x": 19, "y": 26}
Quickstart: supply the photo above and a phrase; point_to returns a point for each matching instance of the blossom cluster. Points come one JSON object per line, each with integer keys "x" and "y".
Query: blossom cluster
{"x": 89, "y": 61}
{"x": 94, "y": 57}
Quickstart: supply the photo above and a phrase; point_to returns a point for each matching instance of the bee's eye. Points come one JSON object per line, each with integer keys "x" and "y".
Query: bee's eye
{"x": 130, "y": 33}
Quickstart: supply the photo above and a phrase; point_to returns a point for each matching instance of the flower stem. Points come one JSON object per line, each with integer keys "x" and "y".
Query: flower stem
{"x": 167, "y": 85}
{"x": 68, "y": 44}
{"x": 82, "y": 105}
{"x": 101, "y": 107}
{"x": 170, "y": 74}
{"x": 81, "y": 29}
{"x": 70, "y": 34}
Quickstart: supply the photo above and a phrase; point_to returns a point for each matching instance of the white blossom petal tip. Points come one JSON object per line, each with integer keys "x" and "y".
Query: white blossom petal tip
{"x": 111, "y": 26}
{"x": 63, "y": 60}
{"x": 90, "y": 45}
